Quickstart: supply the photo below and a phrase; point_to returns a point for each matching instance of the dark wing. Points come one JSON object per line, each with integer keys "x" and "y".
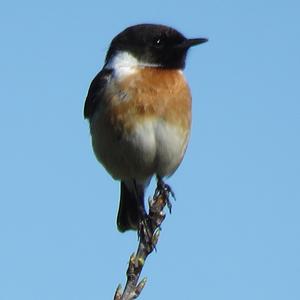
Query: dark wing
{"x": 95, "y": 93}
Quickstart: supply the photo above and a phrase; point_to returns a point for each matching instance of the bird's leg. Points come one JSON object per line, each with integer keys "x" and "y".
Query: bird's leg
{"x": 145, "y": 228}
{"x": 146, "y": 231}
{"x": 165, "y": 190}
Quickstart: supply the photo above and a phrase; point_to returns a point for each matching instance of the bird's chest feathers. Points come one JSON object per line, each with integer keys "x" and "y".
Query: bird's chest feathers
{"x": 147, "y": 93}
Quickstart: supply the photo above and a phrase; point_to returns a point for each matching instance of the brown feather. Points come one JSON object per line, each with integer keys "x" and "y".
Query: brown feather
{"x": 150, "y": 92}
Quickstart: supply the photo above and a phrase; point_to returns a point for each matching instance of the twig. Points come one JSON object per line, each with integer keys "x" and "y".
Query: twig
{"x": 149, "y": 234}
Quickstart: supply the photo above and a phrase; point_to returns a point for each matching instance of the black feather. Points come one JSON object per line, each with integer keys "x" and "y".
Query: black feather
{"x": 95, "y": 93}
{"x": 131, "y": 208}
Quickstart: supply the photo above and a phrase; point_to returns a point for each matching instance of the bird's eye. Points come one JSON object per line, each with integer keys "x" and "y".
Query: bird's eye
{"x": 158, "y": 42}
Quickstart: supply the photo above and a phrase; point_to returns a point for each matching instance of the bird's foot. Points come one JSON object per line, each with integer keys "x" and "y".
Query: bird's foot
{"x": 147, "y": 232}
{"x": 164, "y": 190}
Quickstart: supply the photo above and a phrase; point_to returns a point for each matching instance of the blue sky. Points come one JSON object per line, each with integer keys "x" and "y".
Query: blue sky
{"x": 234, "y": 231}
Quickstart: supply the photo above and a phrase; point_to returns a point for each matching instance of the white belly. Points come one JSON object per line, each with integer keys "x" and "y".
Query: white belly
{"x": 152, "y": 147}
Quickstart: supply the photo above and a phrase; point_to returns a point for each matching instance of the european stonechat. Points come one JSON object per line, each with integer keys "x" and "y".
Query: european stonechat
{"x": 139, "y": 110}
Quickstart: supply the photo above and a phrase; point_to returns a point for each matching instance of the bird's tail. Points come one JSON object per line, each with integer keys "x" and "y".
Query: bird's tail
{"x": 131, "y": 208}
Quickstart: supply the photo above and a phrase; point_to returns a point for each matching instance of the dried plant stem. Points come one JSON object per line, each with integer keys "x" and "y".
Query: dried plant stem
{"x": 148, "y": 238}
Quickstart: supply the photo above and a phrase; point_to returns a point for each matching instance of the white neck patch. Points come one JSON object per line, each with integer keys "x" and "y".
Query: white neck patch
{"x": 124, "y": 64}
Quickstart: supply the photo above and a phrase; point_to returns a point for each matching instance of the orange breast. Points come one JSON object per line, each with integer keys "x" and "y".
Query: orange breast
{"x": 149, "y": 93}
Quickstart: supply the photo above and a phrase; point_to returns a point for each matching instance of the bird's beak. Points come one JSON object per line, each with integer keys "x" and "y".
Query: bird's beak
{"x": 192, "y": 42}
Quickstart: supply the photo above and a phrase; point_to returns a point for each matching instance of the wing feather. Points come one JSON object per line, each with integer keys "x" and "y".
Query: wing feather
{"x": 95, "y": 93}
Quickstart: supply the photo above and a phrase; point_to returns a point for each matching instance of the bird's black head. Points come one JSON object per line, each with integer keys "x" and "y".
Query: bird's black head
{"x": 154, "y": 45}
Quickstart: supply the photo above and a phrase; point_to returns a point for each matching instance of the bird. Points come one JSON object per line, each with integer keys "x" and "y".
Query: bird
{"x": 139, "y": 111}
